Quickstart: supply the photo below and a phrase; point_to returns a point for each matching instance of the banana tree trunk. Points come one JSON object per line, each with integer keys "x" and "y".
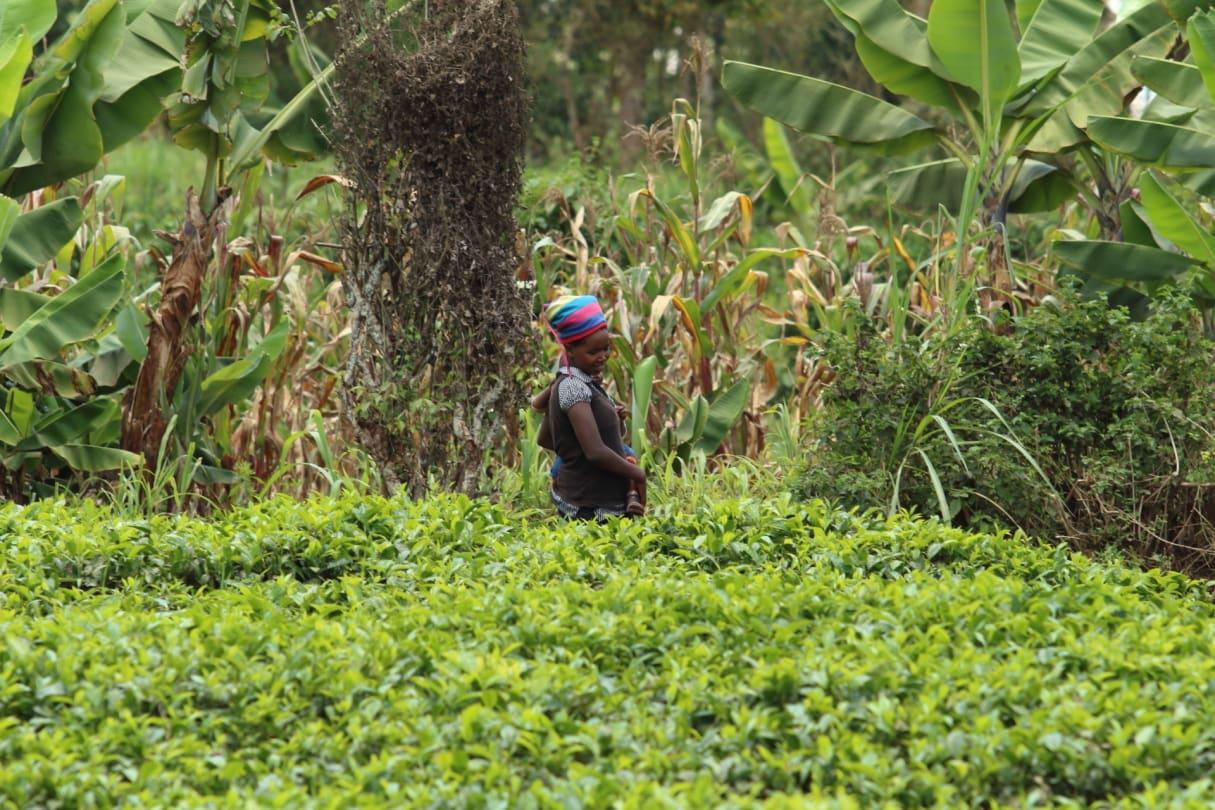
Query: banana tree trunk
{"x": 143, "y": 419}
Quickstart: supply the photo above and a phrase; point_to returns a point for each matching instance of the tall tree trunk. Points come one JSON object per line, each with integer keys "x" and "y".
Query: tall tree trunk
{"x": 143, "y": 419}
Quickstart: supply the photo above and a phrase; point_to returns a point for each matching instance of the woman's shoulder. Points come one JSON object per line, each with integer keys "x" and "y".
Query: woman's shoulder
{"x": 571, "y": 391}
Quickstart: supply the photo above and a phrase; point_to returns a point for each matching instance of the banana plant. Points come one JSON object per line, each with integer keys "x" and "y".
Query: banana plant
{"x": 96, "y": 87}
{"x": 1162, "y": 243}
{"x": 224, "y": 82}
{"x": 1024, "y": 104}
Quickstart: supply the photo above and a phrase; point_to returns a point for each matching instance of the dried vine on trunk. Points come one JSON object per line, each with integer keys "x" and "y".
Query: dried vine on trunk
{"x": 430, "y": 125}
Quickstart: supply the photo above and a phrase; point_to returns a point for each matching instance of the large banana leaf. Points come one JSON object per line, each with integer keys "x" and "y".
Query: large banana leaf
{"x": 822, "y": 108}
{"x": 1172, "y": 221}
{"x": 92, "y": 459}
{"x": 35, "y": 238}
{"x": 58, "y": 129}
{"x": 69, "y": 425}
{"x": 72, "y": 316}
{"x": 34, "y": 16}
{"x": 904, "y": 78}
{"x": 16, "y": 305}
{"x": 1178, "y": 82}
{"x": 974, "y": 40}
{"x": 1119, "y": 262}
{"x": 1039, "y": 186}
{"x": 1200, "y": 32}
{"x": 890, "y": 27}
{"x": 1153, "y": 142}
{"x": 1056, "y": 31}
{"x": 893, "y": 46}
{"x": 1113, "y": 47}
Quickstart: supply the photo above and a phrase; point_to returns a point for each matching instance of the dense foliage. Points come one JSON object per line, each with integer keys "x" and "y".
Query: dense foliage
{"x": 450, "y": 652}
{"x": 1074, "y": 420}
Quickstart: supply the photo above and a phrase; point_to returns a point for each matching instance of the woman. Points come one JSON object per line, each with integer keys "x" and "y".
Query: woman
{"x": 594, "y": 479}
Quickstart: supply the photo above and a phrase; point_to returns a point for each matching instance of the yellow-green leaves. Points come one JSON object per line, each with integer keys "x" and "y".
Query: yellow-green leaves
{"x": 974, "y": 40}
{"x": 31, "y": 17}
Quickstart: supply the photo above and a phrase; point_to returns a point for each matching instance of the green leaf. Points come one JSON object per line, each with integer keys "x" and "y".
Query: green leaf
{"x": 68, "y": 425}
{"x": 737, "y": 275}
{"x": 942, "y": 501}
{"x": 1178, "y": 82}
{"x": 1057, "y": 30}
{"x": 722, "y": 415}
{"x": 1153, "y": 142}
{"x": 34, "y": 16}
{"x": 14, "y": 59}
{"x": 74, "y": 315}
{"x": 1180, "y": 10}
{"x": 246, "y": 152}
{"x": 1039, "y": 187}
{"x": 788, "y": 171}
{"x": 1173, "y": 222}
{"x": 1104, "y": 59}
{"x": 926, "y": 185}
{"x": 822, "y": 108}
{"x": 1119, "y": 262}
{"x": 126, "y": 118}
{"x": 137, "y": 61}
{"x": 238, "y": 380}
{"x": 693, "y": 423}
{"x": 688, "y": 248}
{"x": 1200, "y": 31}
{"x": 132, "y": 331}
{"x": 68, "y": 145}
{"x": 9, "y": 213}
{"x": 38, "y": 236}
{"x": 903, "y": 77}
{"x": 16, "y": 305}
{"x": 643, "y": 384}
{"x": 19, "y": 406}
{"x": 974, "y": 40}
{"x": 891, "y": 28}
{"x": 1135, "y": 228}
{"x": 92, "y": 459}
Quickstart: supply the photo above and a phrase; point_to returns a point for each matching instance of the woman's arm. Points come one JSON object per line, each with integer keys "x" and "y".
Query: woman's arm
{"x": 545, "y": 437}
{"x": 540, "y": 401}
{"x": 605, "y": 458}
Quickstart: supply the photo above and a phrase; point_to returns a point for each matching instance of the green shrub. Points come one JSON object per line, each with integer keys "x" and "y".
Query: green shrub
{"x": 1115, "y": 414}
{"x": 379, "y": 652}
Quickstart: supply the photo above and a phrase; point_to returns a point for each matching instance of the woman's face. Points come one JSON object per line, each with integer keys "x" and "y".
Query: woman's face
{"x": 591, "y": 353}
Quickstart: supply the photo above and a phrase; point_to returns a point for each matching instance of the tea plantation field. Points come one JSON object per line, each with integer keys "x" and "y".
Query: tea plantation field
{"x": 449, "y": 653}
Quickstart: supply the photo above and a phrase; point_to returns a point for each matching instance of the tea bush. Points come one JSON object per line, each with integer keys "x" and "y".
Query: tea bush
{"x": 449, "y": 652}
{"x": 1115, "y": 413}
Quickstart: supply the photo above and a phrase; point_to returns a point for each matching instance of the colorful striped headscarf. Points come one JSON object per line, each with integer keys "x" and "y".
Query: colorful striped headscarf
{"x": 573, "y": 317}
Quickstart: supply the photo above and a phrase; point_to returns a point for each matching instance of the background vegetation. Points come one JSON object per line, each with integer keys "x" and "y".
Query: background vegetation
{"x": 859, "y": 302}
